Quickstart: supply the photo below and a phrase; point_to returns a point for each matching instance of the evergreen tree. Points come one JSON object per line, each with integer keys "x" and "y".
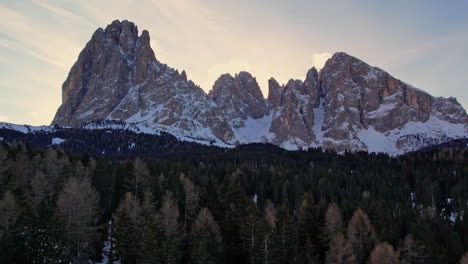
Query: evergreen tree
{"x": 411, "y": 251}
{"x": 231, "y": 206}
{"x": 308, "y": 226}
{"x": 269, "y": 248}
{"x": 286, "y": 236}
{"x": 333, "y": 223}
{"x": 135, "y": 181}
{"x": 77, "y": 208}
{"x": 191, "y": 201}
{"x": 207, "y": 242}
{"x": 149, "y": 230}
{"x": 128, "y": 229}
{"x": 171, "y": 237}
{"x": 340, "y": 251}
{"x": 252, "y": 234}
{"x": 40, "y": 189}
{"x": 383, "y": 254}
{"x": 361, "y": 235}
{"x": 9, "y": 212}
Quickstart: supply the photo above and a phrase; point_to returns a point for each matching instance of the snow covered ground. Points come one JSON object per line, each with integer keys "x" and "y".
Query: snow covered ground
{"x": 412, "y": 136}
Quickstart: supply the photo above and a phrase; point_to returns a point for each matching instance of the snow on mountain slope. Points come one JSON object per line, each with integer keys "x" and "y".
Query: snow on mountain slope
{"x": 25, "y": 128}
{"x": 412, "y": 136}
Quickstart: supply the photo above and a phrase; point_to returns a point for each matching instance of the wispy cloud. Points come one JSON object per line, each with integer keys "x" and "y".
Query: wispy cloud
{"x": 46, "y": 44}
{"x": 60, "y": 11}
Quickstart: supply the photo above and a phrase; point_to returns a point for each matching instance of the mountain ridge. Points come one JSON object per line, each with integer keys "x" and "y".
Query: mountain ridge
{"x": 347, "y": 105}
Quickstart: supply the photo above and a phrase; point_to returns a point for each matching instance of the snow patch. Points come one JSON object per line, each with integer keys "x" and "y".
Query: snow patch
{"x": 254, "y": 130}
{"x": 57, "y": 141}
{"x": 319, "y": 118}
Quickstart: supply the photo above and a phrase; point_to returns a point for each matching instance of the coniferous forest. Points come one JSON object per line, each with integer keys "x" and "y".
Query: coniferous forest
{"x": 251, "y": 204}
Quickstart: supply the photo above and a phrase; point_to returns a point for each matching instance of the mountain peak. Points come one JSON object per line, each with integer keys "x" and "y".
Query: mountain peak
{"x": 240, "y": 96}
{"x": 122, "y": 26}
{"x": 347, "y": 105}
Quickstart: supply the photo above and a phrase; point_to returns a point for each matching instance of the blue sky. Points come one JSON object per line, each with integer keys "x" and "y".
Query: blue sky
{"x": 423, "y": 43}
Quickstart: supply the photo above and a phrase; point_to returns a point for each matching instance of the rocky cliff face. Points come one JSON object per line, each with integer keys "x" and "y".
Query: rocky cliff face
{"x": 293, "y": 114}
{"x": 358, "y": 97}
{"x": 347, "y": 105}
{"x": 117, "y": 77}
{"x": 239, "y": 98}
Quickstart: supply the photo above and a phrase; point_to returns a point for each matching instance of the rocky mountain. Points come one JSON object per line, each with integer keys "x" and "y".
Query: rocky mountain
{"x": 348, "y": 105}
{"x": 117, "y": 77}
{"x": 239, "y": 97}
{"x": 293, "y": 110}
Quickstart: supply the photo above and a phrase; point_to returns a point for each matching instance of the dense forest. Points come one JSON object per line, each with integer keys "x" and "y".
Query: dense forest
{"x": 251, "y": 204}
{"x": 108, "y": 143}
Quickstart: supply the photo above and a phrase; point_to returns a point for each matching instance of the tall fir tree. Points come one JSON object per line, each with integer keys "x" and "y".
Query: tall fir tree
{"x": 127, "y": 231}
{"x": 361, "y": 235}
{"x": 207, "y": 242}
{"x": 383, "y": 254}
{"x": 171, "y": 233}
{"x": 308, "y": 226}
{"x": 340, "y": 251}
{"x": 78, "y": 210}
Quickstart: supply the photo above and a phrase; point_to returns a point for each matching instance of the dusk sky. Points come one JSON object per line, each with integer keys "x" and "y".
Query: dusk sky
{"x": 424, "y": 43}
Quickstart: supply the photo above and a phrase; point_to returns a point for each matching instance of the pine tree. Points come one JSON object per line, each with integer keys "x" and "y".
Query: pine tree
{"x": 5, "y": 162}
{"x": 53, "y": 168}
{"x": 128, "y": 229}
{"x": 286, "y": 235}
{"x": 135, "y": 181}
{"x": 361, "y": 235}
{"x": 207, "y": 242}
{"x": 191, "y": 201}
{"x": 9, "y": 212}
{"x": 411, "y": 251}
{"x": 308, "y": 229}
{"x": 77, "y": 208}
{"x": 167, "y": 219}
{"x": 231, "y": 206}
{"x": 40, "y": 189}
{"x": 383, "y": 254}
{"x": 252, "y": 233}
{"x": 333, "y": 222}
{"x": 149, "y": 230}
{"x": 269, "y": 248}
{"x": 340, "y": 251}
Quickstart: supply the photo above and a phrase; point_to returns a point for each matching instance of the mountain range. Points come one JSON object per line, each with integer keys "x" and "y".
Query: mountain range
{"x": 347, "y": 105}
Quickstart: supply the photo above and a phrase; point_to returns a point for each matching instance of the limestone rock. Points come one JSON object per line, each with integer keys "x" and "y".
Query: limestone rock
{"x": 293, "y": 115}
{"x": 117, "y": 77}
{"x": 239, "y": 97}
